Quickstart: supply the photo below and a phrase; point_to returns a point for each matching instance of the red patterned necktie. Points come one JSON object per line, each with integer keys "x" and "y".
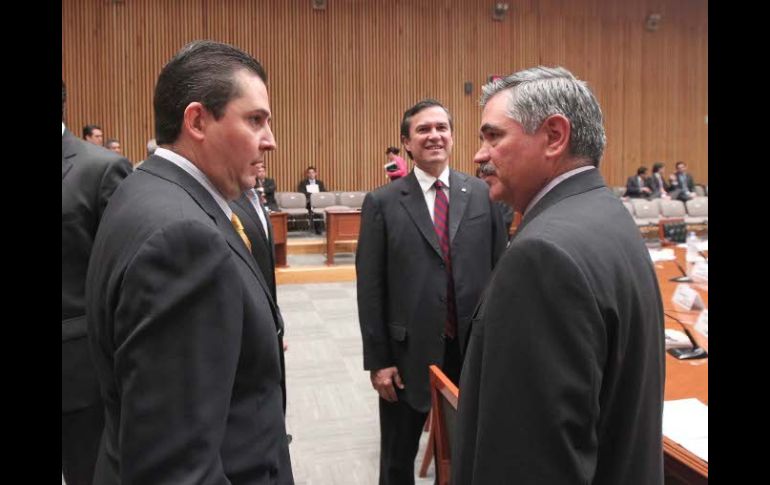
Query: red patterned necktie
{"x": 441, "y": 226}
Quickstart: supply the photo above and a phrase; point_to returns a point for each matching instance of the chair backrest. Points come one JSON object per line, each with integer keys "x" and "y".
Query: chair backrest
{"x": 618, "y": 191}
{"x": 698, "y": 207}
{"x": 629, "y": 207}
{"x": 645, "y": 209}
{"x": 319, "y": 200}
{"x": 291, "y": 200}
{"x": 444, "y": 395}
{"x": 700, "y": 191}
{"x": 354, "y": 200}
{"x": 672, "y": 208}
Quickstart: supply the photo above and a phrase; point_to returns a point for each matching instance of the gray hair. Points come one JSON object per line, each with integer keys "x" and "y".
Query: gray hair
{"x": 152, "y": 145}
{"x": 539, "y": 92}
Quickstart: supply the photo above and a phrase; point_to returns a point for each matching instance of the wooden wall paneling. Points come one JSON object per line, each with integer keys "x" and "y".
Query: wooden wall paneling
{"x": 340, "y": 79}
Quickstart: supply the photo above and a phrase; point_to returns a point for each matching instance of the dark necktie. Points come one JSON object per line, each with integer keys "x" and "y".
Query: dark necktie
{"x": 441, "y": 226}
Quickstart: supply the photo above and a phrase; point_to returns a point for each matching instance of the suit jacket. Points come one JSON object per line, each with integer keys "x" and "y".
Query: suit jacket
{"x": 568, "y": 388}
{"x": 676, "y": 188}
{"x": 302, "y": 187}
{"x": 402, "y": 277}
{"x": 634, "y": 188}
{"x": 657, "y": 186}
{"x": 183, "y": 334}
{"x": 269, "y": 186}
{"x": 90, "y": 175}
{"x": 263, "y": 250}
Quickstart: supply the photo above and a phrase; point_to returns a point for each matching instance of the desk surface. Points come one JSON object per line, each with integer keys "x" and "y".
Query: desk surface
{"x": 684, "y": 378}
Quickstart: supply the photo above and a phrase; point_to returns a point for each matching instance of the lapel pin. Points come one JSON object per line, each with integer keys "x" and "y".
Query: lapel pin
{"x": 463, "y": 189}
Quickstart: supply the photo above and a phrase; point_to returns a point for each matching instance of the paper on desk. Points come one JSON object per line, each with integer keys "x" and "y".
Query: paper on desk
{"x": 665, "y": 254}
{"x": 686, "y": 421}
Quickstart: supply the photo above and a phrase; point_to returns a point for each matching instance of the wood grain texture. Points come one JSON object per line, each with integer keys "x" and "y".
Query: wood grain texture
{"x": 340, "y": 78}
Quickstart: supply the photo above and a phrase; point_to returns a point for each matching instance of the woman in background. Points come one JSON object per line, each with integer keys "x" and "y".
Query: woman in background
{"x": 396, "y": 166}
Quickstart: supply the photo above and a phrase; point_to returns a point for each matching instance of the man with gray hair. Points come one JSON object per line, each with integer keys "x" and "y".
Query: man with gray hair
{"x": 568, "y": 388}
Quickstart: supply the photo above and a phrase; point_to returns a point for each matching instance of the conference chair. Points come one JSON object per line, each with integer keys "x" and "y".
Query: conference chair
{"x": 295, "y": 205}
{"x": 354, "y": 200}
{"x": 319, "y": 202}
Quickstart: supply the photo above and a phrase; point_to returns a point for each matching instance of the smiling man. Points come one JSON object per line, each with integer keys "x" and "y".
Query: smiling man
{"x": 426, "y": 249}
{"x": 563, "y": 376}
{"x": 182, "y": 325}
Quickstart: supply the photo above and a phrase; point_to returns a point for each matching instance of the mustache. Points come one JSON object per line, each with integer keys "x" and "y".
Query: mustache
{"x": 488, "y": 169}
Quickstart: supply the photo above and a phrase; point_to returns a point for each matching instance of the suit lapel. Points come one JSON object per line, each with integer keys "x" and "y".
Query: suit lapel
{"x": 459, "y": 194}
{"x": 267, "y": 240}
{"x": 413, "y": 201}
{"x": 168, "y": 171}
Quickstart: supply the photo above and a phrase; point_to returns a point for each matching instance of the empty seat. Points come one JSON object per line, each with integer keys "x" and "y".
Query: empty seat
{"x": 354, "y": 200}
{"x": 294, "y": 204}
{"x": 700, "y": 191}
{"x": 697, "y": 210}
{"x": 672, "y": 208}
{"x": 318, "y": 204}
{"x": 618, "y": 191}
{"x": 647, "y": 212}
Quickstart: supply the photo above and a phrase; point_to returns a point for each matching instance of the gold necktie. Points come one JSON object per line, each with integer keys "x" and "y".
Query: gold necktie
{"x": 239, "y": 229}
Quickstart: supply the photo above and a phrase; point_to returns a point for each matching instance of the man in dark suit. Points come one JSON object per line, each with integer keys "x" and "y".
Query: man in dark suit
{"x": 423, "y": 259}
{"x": 266, "y": 188}
{"x": 637, "y": 185}
{"x": 310, "y": 184}
{"x": 563, "y": 376}
{"x": 657, "y": 183}
{"x": 259, "y": 230}
{"x": 183, "y": 324}
{"x": 681, "y": 184}
{"x": 90, "y": 175}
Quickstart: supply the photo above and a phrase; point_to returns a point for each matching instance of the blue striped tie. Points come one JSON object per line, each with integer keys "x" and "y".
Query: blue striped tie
{"x": 441, "y": 226}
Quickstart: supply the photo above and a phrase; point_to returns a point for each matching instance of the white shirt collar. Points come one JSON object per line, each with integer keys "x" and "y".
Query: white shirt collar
{"x": 196, "y": 173}
{"x": 427, "y": 180}
{"x": 553, "y": 183}
{"x": 62, "y": 129}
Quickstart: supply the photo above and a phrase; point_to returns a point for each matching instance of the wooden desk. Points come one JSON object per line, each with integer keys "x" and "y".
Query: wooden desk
{"x": 279, "y": 220}
{"x": 684, "y": 378}
{"x": 341, "y": 225}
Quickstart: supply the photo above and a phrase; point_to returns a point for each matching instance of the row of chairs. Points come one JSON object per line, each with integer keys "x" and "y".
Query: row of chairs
{"x": 620, "y": 190}
{"x": 650, "y": 212}
{"x": 295, "y": 205}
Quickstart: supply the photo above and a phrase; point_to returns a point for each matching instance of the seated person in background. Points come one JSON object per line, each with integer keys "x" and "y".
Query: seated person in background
{"x": 396, "y": 166}
{"x": 309, "y": 185}
{"x": 657, "y": 183}
{"x": 266, "y": 188}
{"x": 152, "y": 145}
{"x": 636, "y": 185}
{"x": 93, "y": 134}
{"x": 113, "y": 144}
{"x": 681, "y": 185}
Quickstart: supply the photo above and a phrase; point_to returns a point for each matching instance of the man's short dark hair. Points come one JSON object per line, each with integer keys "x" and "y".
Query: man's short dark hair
{"x": 111, "y": 141}
{"x": 641, "y": 170}
{"x": 679, "y": 163}
{"x": 88, "y": 130}
{"x": 202, "y": 71}
{"x": 311, "y": 167}
{"x": 406, "y": 120}
{"x": 657, "y": 166}
{"x": 393, "y": 150}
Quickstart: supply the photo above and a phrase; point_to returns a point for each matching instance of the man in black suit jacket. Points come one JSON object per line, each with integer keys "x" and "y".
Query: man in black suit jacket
{"x": 563, "y": 376}
{"x": 657, "y": 183}
{"x": 183, "y": 325}
{"x": 414, "y": 298}
{"x": 256, "y": 224}
{"x": 90, "y": 175}
{"x": 637, "y": 186}
{"x": 266, "y": 188}
{"x": 681, "y": 184}
{"x": 302, "y": 186}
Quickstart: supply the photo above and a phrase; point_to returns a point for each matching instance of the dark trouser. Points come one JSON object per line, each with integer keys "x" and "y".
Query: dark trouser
{"x": 401, "y": 428}
{"x": 81, "y": 432}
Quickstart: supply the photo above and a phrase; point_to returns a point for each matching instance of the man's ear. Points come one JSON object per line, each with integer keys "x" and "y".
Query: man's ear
{"x": 557, "y": 129}
{"x": 194, "y": 120}
{"x": 405, "y": 142}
